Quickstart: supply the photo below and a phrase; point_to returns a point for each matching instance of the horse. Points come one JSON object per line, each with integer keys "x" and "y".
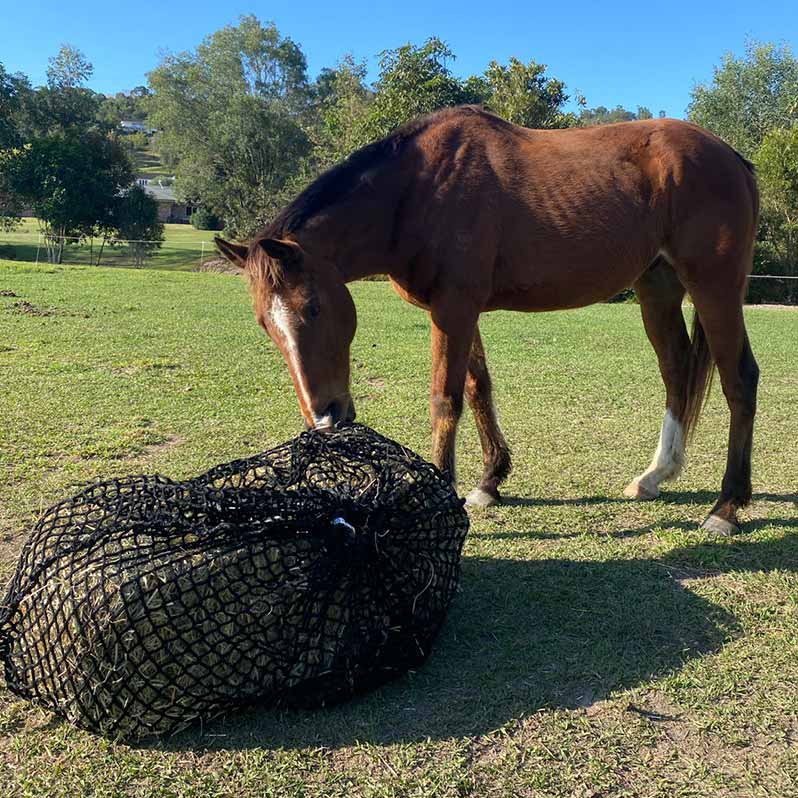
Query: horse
{"x": 468, "y": 213}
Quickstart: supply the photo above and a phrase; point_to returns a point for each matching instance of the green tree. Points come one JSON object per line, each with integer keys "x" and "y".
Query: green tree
{"x": 749, "y": 96}
{"x": 69, "y": 69}
{"x": 600, "y": 115}
{"x": 135, "y": 221}
{"x": 65, "y": 104}
{"x": 413, "y": 81}
{"x": 70, "y": 182}
{"x": 344, "y": 103}
{"x": 777, "y": 168}
{"x": 522, "y": 94}
{"x": 125, "y": 105}
{"x": 752, "y": 103}
{"x": 13, "y": 92}
{"x": 233, "y": 122}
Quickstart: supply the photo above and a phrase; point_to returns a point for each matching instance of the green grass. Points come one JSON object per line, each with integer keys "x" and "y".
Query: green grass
{"x": 182, "y": 248}
{"x": 148, "y": 164}
{"x": 597, "y": 647}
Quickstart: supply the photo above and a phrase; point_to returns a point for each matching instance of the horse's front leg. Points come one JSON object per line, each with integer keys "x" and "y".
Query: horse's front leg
{"x": 453, "y": 326}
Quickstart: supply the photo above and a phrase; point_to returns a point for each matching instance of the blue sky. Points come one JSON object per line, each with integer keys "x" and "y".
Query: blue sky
{"x": 632, "y": 53}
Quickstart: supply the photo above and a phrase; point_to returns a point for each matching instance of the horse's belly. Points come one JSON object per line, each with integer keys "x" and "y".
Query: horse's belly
{"x": 571, "y": 284}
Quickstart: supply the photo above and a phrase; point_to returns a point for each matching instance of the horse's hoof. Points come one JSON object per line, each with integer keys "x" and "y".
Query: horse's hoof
{"x": 481, "y": 498}
{"x": 637, "y": 490}
{"x": 720, "y": 526}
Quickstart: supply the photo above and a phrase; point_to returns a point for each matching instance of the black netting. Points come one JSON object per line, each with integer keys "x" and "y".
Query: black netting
{"x": 297, "y": 577}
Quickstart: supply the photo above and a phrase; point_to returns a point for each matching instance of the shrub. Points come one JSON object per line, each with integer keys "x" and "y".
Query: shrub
{"x": 203, "y": 219}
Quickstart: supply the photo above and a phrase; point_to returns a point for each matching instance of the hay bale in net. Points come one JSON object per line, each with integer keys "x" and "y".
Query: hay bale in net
{"x": 298, "y": 577}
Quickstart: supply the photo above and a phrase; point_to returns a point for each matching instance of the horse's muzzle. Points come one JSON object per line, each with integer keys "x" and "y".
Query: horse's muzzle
{"x": 338, "y": 410}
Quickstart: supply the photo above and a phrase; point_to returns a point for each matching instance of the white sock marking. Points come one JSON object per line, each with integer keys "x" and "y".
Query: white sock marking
{"x": 669, "y": 457}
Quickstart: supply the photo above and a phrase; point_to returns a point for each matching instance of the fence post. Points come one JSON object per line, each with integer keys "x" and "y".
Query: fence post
{"x": 202, "y": 255}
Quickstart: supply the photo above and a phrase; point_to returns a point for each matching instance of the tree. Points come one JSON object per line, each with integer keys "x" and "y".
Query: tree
{"x": 126, "y": 105}
{"x": 69, "y": 69}
{"x": 135, "y": 220}
{"x": 777, "y": 168}
{"x": 752, "y": 103}
{"x": 13, "y": 91}
{"x": 600, "y": 115}
{"x": 749, "y": 96}
{"x": 344, "y": 103}
{"x": 522, "y": 94}
{"x": 70, "y": 182}
{"x": 413, "y": 81}
{"x": 64, "y": 104}
{"x": 233, "y": 121}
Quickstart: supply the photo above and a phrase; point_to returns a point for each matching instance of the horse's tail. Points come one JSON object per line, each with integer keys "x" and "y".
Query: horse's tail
{"x": 699, "y": 378}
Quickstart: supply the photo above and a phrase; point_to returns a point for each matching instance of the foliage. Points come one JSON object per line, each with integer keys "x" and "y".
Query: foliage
{"x": 232, "y": 120}
{"x": 133, "y": 105}
{"x": 413, "y": 81}
{"x": 752, "y": 103}
{"x": 12, "y": 89}
{"x": 134, "y": 141}
{"x": 203, "y": 219}
{"x": 600, "y": 115}
{"x": 522, "y": 94}
{"x": 69, "y": 69}
{"x": 13, "y": 92}
{"x": 135, "y": 220}
{"x": 749, "y": 96}
{"x": 344, "y": 102}
{"x": 70, "y": 182}
{"x": 777, "y": 167}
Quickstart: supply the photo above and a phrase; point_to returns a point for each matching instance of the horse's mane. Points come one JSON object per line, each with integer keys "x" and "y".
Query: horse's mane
{"x": 337, "y": 182}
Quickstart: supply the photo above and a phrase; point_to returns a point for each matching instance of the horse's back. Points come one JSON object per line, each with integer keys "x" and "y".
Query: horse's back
{"x": 562, "y": 218}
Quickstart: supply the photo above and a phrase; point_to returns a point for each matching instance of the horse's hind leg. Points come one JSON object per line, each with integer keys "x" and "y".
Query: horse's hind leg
{"x": 661, "y": 294}
{"x": 495, "y": 451}
{"x": 721, "y": 315}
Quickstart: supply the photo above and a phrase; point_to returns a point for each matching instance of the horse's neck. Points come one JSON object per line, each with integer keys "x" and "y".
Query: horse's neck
{"x": 357, "y": 236}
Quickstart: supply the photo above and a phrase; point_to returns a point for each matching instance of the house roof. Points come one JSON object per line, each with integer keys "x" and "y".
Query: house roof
{"x": 161, "y": 193}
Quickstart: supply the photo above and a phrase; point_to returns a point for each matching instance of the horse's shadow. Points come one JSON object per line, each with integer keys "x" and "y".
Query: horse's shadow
{"x": 674, "y": 497}
{"x": 526, "y": 635}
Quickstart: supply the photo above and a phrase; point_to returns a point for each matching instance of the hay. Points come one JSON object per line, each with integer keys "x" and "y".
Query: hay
{"x": 297, "y": 577}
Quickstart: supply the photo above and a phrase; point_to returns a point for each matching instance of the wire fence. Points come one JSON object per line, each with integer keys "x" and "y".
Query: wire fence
{"x": 183, "y": 253}
{"x": 186, "y": 252}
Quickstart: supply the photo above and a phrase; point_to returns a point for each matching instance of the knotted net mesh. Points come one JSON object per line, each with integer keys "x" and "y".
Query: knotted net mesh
{"x": 297, "y": 577}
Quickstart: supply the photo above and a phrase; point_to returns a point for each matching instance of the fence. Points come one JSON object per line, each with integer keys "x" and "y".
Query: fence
{"x": 182, "y": 252}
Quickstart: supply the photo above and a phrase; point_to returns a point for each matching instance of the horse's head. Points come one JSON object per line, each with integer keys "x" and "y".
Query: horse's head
{"x": 304, "y": 305}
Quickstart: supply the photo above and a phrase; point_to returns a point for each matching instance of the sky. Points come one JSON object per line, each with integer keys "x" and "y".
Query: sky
{"x": 627, "y": 53}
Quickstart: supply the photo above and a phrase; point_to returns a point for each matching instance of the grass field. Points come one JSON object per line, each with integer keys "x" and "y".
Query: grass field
{"x": 182, "y": 248}
{"x": 597, "y": 647}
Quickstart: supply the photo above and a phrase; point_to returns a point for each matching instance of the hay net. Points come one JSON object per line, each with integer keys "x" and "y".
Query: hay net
{"x": 296, "y": 577}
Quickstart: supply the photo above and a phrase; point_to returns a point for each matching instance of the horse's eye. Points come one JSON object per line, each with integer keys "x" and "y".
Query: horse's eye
{"x": 312, "y": 310}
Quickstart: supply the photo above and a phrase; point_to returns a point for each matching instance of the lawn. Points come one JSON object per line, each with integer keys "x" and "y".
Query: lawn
{"x": 597, "y": 647}
{"x": 182, "y": 248}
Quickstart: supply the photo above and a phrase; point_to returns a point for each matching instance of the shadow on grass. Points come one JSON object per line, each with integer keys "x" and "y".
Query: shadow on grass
{"x": 523, "y": 636}
{"x": 669, "y": 497}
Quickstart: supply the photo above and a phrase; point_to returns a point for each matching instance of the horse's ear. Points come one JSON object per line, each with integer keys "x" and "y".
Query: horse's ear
{"x": 235, "y": 253}
{"x": 288, "y": 253}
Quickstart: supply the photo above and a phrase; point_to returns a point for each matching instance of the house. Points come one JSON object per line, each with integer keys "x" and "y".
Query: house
{"x": 132, "y": 126}
{"x": 169, "y": 209}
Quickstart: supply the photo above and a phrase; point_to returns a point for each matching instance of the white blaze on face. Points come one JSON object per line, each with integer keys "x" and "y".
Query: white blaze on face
{"x": 285, "y": 323}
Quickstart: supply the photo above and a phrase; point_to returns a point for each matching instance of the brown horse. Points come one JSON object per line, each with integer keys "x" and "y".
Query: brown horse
{"x": 467, "y": 213}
